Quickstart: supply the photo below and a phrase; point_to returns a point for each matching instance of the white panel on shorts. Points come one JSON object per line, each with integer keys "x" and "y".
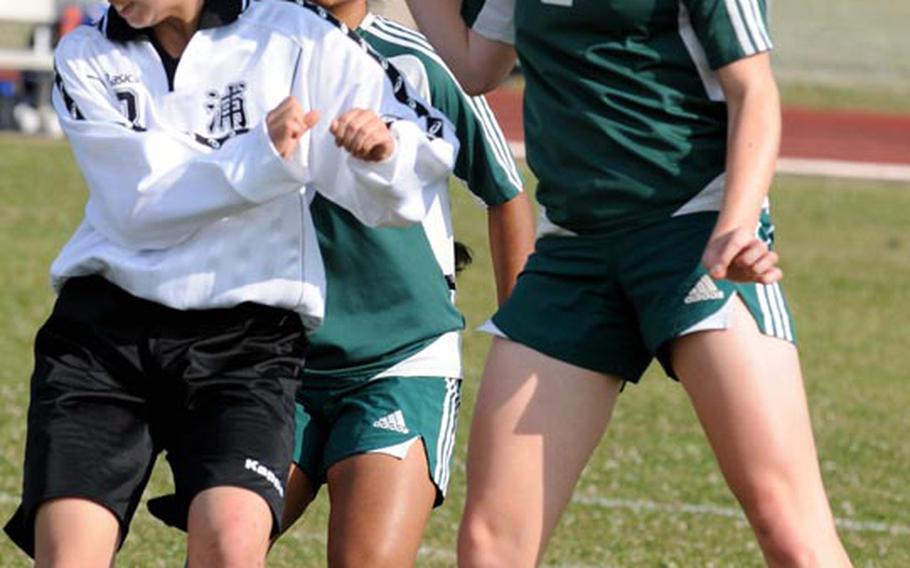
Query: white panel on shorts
{"x": 490, "y": 327}
{"x": 399, "y": 451}
{"x": 718, "y": 320}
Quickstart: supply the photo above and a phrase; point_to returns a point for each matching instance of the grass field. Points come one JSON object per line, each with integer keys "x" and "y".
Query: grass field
{"x": 860, "y": 44}
{"x": 652, "y": 495}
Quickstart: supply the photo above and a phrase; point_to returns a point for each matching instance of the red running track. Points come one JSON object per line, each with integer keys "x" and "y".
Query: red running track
{"x": 851, "y": 136}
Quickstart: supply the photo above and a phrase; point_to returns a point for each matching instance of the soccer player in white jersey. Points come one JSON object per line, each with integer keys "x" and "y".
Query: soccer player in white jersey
{"x": 202, "y": 129}
{"x": 378, "y": 409}
{"x": 653, "y": 129}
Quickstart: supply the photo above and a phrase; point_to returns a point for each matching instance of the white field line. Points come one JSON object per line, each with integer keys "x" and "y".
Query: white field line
{"x": 845, "y": 524}
{"x": 807, "y": 167}
{"x": 637, "y": 505}
{"x": 844, "y": 169}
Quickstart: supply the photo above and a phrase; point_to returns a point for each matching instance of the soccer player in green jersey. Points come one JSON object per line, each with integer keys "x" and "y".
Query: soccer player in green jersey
{"x": 377, "y": 413}
{"x": 653, "y": 127}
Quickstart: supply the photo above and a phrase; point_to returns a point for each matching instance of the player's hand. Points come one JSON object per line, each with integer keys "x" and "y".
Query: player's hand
{"x": 738, "y": 255}
{"x": 362, "y": 133}
{"x": 287, "y": 123}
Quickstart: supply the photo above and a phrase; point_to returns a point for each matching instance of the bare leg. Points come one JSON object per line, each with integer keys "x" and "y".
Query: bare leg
{"x": 380, "y": 506}
{"x": 297, "y": 497}
{"x": 75, "y": 533}
{"x": 536, "y": 422}
{"x": 747, "y": 390}
{"x": 229, "y": 527}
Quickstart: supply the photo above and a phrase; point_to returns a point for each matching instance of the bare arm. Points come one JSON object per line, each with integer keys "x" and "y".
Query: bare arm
{"x": 511, "y": 231}
{"x": 753, "y": 140}
{"x": 480, "y": 64}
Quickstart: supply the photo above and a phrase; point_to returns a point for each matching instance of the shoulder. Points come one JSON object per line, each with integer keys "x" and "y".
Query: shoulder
{"x": 393, "y": 40}
{"x": 300, "y": 20}
{"x": 81, "y": 42}
{"x": 86, "y": 48}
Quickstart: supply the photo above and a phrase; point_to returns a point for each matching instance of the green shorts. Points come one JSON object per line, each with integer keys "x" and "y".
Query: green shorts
{"x": 340, "y": 418}
{"x": 611, "y": 303}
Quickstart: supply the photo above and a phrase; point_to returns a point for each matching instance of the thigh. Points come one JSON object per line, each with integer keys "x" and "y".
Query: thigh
{"x": 389, "y": 415}
{"x": 674, "y": 295}
{"x": 87, "y": 415}
{"x": 536, "y": 422}
{"x": 380, "y": 506}
{"x": 75, "y": 532}
{"x": 299, "y": 493}
{"x": 747, "y": 390}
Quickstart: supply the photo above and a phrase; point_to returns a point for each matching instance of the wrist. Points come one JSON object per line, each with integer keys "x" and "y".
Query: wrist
{"x": 728, "y": 221}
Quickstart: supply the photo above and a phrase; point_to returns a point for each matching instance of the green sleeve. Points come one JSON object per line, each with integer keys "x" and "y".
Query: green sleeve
{"x": 729, "y": 30}
{"x": 484, "y": 162}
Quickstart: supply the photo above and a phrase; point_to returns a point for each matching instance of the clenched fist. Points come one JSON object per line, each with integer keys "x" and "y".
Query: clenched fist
{"x": 362, "y": 133}
{"x": 740, "y": 256}
{"x": 287, "y": 123}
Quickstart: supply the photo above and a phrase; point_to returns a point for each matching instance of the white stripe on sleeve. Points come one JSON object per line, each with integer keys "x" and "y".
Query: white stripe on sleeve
{"x": 739, "y": 28}
{"x": 760, "y": 22}
{"x": 746, "y": 7}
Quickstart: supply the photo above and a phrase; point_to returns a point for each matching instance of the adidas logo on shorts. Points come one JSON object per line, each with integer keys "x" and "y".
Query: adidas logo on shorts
{"x": 265, "y": 472}
{"x": 704, "y": 290}
{"x": 393, "y": 422}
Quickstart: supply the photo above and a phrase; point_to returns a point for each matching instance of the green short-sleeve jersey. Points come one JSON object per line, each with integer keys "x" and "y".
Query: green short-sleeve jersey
{"x": 625, "y": 121}
{"x": 390, "y": 290}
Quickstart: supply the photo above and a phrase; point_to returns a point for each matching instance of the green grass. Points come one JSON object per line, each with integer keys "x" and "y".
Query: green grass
{"x": 856, "y": 51}
{"x": 846, "y": 249}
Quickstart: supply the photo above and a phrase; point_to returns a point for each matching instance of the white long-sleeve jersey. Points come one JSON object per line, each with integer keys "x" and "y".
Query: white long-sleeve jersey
{"x": 189, "y": 203}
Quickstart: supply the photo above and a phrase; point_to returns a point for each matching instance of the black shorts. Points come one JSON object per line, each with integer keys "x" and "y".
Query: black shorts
{"x": 118, "y": 379}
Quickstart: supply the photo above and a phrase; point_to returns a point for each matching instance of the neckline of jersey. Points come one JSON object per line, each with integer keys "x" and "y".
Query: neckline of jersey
{"x": 215, "y": 13}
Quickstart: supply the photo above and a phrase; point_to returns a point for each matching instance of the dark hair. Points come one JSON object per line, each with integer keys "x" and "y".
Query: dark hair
{"x": 463, "y": 256}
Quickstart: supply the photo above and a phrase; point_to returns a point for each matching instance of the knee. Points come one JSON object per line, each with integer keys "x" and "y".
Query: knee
{"x": 378, "y": 553}
{"x": 484, "y": 543}
{"x": 783, "y": 530}
{"x": 228, "y": 545}
{"x": 68, "y": 557}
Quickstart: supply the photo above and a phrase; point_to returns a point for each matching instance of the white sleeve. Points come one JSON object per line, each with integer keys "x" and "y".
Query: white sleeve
{"x": 495, "y": 21}
{"x": 402, "y": 188}
{"x": 154, "y": 189}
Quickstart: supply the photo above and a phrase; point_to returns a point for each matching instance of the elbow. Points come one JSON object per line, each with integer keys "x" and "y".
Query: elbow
{"x": 476, "y": 86}
{"x": 477, "y": 76}
{"x": 479, "y": 81}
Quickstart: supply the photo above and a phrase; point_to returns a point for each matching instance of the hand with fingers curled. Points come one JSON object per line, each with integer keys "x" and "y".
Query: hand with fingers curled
{"x": 740, "y": 256}
{"x": 287, "y": 123}
{"x": 362, "y": 133}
